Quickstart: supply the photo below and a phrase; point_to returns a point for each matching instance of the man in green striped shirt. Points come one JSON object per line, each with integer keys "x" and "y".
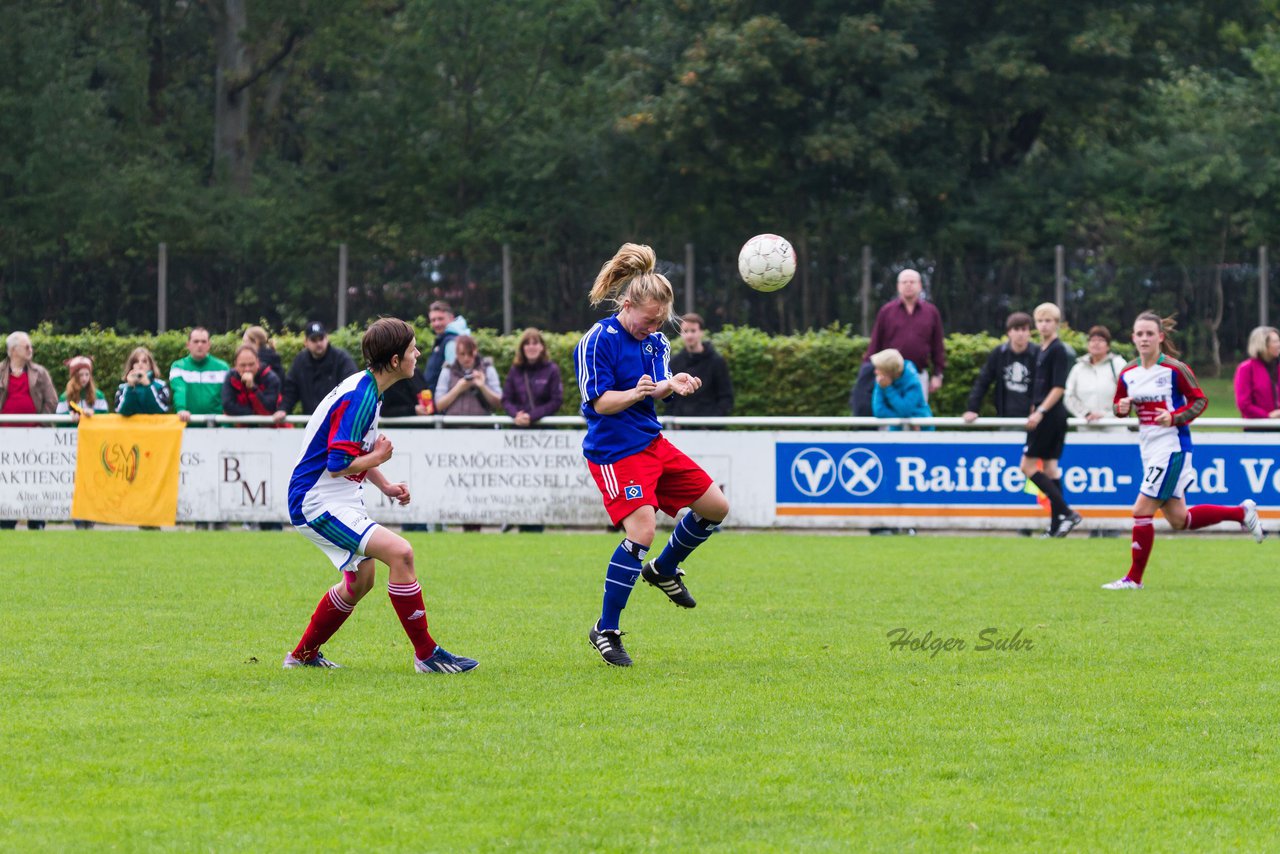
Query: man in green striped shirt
{"x": 196, "y": 379}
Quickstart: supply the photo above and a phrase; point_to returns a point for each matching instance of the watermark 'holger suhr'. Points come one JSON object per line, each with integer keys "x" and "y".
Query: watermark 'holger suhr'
{"x": 989, "y": 640}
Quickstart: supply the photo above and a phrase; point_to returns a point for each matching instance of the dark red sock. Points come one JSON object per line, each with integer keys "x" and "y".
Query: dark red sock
{"x": 329, "y": 616}
{"x": 1144, "y": 535}
{"x": 1204, "y": 515}
{"x": 407, "y": 600}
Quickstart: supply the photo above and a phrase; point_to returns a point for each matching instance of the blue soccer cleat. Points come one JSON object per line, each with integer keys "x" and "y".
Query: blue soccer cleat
{"x": 443, "y": 661}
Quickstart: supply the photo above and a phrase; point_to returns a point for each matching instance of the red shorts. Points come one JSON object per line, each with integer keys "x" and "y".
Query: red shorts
{"x": 659, "y": 476}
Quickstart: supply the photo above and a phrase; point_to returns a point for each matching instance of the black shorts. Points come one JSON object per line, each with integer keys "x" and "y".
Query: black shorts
{"x": 1046, "y": 441}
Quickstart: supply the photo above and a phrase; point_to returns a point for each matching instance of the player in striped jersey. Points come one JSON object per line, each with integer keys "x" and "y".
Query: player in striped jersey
{"x": 623, "y": 366}
{"x": 1166, "y": 397}
{"x": 342, "y": 449}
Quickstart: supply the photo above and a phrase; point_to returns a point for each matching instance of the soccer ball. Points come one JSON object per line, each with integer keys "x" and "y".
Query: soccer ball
{"x": 767, "y": 262}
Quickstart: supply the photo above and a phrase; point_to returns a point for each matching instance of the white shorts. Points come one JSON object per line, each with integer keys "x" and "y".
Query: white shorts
{"x": 341, "y": 532}
{"x": 1167, "y": 477}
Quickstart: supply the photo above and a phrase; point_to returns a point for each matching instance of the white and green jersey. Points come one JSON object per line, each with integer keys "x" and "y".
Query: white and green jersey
{"x": 197, "y": 386}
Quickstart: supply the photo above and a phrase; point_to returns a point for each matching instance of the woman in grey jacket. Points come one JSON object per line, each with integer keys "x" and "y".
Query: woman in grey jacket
{"x": 1091, "y": 385}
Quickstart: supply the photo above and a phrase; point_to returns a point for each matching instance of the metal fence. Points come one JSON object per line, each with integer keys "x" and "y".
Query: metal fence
{"x": 1217, "y": 304}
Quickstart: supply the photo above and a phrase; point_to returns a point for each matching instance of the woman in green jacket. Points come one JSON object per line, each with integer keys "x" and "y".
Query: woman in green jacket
{"x": 141, "y": 392}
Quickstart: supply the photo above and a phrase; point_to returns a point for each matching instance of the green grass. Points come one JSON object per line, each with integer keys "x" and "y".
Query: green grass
{"x": 142, "y": 704}
{"x": 1221, "y": 392}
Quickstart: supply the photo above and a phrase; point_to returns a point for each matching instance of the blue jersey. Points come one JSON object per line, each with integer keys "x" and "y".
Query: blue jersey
{"x": 609, "y": 358}
{"x": 342, "y": 428}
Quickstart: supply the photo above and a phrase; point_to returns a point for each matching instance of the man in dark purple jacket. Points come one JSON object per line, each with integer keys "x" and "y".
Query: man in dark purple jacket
{"x": 911, "y": 326}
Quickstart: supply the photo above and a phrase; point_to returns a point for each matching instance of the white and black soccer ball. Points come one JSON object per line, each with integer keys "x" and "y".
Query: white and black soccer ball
{"x": 767, "y": 262}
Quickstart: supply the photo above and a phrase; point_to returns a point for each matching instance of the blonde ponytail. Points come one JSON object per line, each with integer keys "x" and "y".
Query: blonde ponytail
{"x": 630, "y": 275}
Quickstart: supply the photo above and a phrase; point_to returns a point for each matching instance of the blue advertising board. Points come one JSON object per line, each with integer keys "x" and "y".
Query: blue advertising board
{"x": 1097, "y": 472}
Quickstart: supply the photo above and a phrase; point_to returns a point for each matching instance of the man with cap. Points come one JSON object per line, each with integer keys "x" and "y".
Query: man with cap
{"x": 315, "y": 371}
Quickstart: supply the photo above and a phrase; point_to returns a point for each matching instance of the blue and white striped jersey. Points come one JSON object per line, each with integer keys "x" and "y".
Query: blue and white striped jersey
{"x": 609, "y": 358}
{"x": 342, "y": 428}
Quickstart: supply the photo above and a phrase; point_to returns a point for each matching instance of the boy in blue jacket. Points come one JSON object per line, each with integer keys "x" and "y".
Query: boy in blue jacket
{"x": 897, "y": 393}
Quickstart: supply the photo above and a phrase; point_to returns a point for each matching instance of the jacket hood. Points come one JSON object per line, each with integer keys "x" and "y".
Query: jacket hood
{"x": 458, "y": 326}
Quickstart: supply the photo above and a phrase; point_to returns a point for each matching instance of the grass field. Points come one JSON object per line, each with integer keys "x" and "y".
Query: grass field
{"x": 1221, "y": 392}
{"x": 142, "y": 704}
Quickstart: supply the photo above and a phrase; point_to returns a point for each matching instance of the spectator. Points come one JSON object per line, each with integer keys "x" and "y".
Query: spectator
{"x": 251, "y": 388}
{"x": 1047, "y": 423}
{"x": 532, "y": 390}
{"x": 266, "y": 349}
{"x": 82, "y": 397}
{"x": 468, "y": 385}
{"x": 25, "y": 389}
{"x": 141, "y": 392}
{"x": 404, "y": 399}
{"x": 1010, "y": 367}
{"x": 196, "y": 379}
{"x": 447, "y": 327}
{"x": 898, "y": 392}
{"x": 1257, "y": 380}
{"x": 1091, "y": 385}
{"x": 700, "y": 359}
{"x": 913, "y": 327}
{"x": 25, "y": 386}
{"x": 315, "y": 371}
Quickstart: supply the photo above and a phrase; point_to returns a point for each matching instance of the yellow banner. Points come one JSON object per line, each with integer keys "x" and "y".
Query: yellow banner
{"x": 127, "y": 469}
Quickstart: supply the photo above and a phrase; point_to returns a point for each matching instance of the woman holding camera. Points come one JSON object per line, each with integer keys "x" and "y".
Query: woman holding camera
{"x": 468, "y": 386}
{"x": 142, "y": 392}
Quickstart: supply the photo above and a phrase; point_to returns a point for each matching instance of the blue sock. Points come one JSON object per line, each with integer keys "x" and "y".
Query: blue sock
{"x": 624, "y": 569}
{"x": 691, "y": 532}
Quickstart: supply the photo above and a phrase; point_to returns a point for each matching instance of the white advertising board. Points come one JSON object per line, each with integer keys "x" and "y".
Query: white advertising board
{"x": 807, "y": 479}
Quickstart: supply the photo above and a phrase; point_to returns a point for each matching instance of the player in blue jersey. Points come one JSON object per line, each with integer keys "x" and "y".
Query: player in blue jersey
{"x": 1166, "y": 397}
{"x": 623, "y": 366}
{"x": 341, "y": 450}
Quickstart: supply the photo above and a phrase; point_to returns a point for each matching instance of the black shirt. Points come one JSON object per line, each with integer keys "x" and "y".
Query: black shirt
{"x": 310, "y": 379}
{"x": 1053, "y": 363}
{"x": 401, "y": 399}
{"x": 1012, "y": 374}
{"x": 715, "y": 398}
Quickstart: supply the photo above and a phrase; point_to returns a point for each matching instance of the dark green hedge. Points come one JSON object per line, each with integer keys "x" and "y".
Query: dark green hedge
{"x": 805, "y": 374}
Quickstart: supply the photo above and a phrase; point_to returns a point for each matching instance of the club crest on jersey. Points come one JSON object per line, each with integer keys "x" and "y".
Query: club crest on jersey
{"x": 648, "y": 348}
{"x": 633, "y": 491}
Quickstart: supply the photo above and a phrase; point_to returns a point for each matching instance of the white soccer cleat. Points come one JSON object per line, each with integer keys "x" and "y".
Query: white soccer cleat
{"x": 1251, "y": 522}
{"x": 1122, "y": 584}
{"x": 291, "y": 662}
